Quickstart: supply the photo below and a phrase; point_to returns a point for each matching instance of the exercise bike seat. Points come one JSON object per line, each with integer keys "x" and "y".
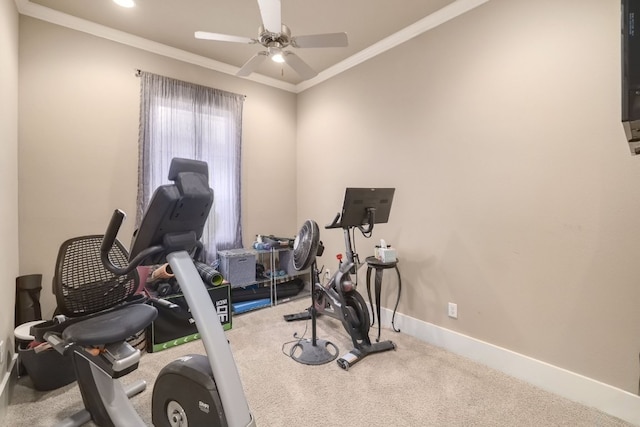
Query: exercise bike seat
{"x": 111, "y": 327}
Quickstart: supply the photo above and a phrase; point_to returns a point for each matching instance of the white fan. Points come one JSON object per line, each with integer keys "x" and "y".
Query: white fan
{"x": 276, "y": 36}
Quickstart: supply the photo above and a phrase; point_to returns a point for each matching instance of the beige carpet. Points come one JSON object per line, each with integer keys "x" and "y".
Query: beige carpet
{"x": 416, "y": 385}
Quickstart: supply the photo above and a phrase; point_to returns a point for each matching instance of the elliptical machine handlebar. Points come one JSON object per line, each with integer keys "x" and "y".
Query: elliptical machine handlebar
{"x": 109, "y": 239}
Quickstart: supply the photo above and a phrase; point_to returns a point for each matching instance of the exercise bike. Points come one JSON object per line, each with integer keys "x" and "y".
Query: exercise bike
{"x": 192, "y": 390}
{"x": 339, "y": 298}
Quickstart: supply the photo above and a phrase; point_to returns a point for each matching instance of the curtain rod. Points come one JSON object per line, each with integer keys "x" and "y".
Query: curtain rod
{"x": 138, "y": 73}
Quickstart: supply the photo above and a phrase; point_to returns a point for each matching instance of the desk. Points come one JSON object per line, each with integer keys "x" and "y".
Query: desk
{"x": 375, "y": 264}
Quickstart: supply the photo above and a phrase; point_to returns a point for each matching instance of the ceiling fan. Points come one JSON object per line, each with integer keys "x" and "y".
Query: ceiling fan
{"x": 275, "y": 37}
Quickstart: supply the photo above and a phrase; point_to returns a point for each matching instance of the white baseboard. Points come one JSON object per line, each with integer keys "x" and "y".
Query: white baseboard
{"x": 576, "y": 387}
{"x": 5, "y": 387}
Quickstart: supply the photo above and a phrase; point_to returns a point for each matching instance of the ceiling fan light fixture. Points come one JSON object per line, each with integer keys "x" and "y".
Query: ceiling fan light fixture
{"x": 276, "y": 55}
{"x": 124, "y": 3}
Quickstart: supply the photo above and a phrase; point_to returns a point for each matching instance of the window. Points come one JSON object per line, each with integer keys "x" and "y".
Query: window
{"x": 180, "y": 119}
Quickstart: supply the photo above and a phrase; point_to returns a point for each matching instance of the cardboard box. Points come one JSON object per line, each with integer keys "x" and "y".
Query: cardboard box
{"x": 175, "y": 326}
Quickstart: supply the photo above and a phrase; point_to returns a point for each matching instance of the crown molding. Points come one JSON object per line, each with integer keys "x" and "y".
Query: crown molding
{"x": 27, "y": 8}
{"x": 447, "y": 13}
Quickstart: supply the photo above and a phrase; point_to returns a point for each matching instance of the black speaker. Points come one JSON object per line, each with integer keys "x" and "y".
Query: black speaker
{"x": 631, "y": 72}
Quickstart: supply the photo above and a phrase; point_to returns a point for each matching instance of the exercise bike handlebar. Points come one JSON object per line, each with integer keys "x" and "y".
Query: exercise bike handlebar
{"x": 109, "y": 239}
{"x": 335, "y": 223}
{"x": 365, "y": 228}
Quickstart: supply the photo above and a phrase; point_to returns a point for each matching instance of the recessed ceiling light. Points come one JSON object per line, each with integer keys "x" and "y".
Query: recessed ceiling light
{"x": 125, "y": 3}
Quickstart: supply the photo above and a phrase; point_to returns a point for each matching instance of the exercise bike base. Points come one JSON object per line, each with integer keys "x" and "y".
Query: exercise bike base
{"x": 305, "y": 315}
{"x": 357, "y": 354}
{"x": 82, "y": 417}
{"x": 314, "y": 354}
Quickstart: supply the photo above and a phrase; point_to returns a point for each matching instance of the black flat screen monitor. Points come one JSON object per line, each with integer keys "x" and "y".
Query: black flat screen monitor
{"x": 358, "y": 202}
{"x": 631, "y": 72}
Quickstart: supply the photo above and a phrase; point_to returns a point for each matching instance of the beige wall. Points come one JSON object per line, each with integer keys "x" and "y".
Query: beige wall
{"x": 79, "y": 111}
{"x": 516, "y": 195}
{"x": 8, "y": 179}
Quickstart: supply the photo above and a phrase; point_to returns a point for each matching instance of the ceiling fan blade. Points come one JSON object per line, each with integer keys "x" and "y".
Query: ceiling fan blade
{"x": 321, "y": 40}
{"x": 251, "y": 65}
{"x": 271, "y": 15}
{"x": 299, "y": 66}
{"x": 223, "y": 37}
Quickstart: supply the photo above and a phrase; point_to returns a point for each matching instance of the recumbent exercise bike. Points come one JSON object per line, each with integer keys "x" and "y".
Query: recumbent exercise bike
{"x": 338, "y": 298}
{"x": 193, "y": 390}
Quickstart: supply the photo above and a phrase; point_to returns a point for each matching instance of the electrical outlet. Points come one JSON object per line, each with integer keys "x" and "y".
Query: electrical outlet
{"x": 327, "y": 274}
{"x": 453, "y": 310}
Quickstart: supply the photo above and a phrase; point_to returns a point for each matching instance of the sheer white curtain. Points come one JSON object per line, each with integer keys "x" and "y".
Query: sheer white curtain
{"x": 180, "y": 119}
